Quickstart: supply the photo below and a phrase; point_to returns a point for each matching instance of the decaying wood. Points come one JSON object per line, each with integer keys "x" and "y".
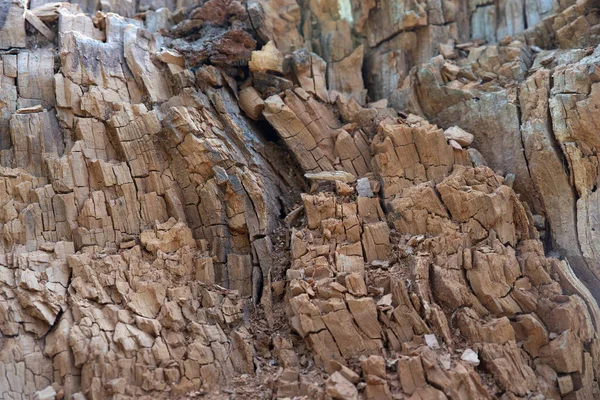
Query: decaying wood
{"x": 281, "y": 198}
{"x": 39, "y": 25}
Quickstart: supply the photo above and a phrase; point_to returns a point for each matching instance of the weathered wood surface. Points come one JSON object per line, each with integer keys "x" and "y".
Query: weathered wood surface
{"x": 191, "y": 190}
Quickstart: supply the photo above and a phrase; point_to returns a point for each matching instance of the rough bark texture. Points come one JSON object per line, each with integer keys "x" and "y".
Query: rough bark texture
{"x": 335, "y": 199}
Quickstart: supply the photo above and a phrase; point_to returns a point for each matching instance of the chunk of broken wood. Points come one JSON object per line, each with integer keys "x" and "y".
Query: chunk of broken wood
{"x": 293, "y": 216}
{"x": 49, "y": 12}
{"x": 269, "y": 58}
{"x": 331, "y": 176}
{"x": 459, "y": 135}
{"x": 39, "y": 25}
{"x": 30, "y": 110}
{"x": 169, "y": 56}
{"x": 251, "y": 102}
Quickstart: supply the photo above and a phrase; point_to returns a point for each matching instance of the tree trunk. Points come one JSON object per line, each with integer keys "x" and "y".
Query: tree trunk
{"x": 275, "y": 198}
